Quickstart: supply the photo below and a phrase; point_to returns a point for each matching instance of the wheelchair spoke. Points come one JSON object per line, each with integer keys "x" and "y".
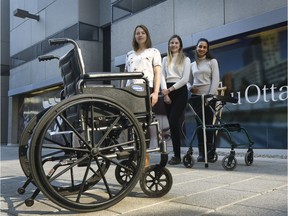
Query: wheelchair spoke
{"x": 83, "y": 181}
{"x": 75, "y": 131}
{"x": 66, "y": 169}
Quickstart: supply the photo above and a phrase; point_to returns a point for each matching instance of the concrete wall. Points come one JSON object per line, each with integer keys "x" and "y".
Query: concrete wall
{"x": 186, "y": 18}
{"x": 55, "y": 16}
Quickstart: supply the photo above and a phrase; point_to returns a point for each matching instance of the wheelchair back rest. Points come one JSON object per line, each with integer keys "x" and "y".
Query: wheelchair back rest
{"x": 135, "y": 98}
{"x": 71, "y": 72}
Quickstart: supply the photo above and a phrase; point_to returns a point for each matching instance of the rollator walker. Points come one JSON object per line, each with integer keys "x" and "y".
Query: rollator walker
{"x": 87, "y": 152}
{"x": 219, "y": 127}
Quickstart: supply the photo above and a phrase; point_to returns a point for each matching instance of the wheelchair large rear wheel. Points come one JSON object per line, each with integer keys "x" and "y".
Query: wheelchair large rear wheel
{"x": 24, "y": 146}
{"x": 24, "y": 143}
{"x": 96, "y": 128}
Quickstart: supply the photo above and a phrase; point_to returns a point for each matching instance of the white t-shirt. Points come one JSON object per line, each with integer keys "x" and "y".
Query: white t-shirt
{"x": 143, "y": 62}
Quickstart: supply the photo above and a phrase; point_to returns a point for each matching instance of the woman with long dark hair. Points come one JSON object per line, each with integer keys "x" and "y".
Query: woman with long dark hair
{"x": 204, "y": 81}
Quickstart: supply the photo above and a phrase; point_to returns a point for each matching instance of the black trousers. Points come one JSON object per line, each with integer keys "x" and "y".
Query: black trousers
{"x": 174, "y": 112}
{"x": 196, "y": 103}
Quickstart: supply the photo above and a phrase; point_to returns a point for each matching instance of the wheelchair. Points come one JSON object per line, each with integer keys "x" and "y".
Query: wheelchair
{"x": 87, "y": 152}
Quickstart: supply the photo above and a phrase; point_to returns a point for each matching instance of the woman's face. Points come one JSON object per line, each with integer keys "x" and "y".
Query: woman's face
{"x": 202, "y": 48}
{"x": 174, "y": 45}
{"x": 140, "y": 36}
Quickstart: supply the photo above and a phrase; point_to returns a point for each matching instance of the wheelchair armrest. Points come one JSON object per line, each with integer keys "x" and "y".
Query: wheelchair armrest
{"x": 112, "y": 76}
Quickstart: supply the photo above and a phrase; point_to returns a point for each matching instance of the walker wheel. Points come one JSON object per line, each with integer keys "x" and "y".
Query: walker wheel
{"x": 21, "y": 190}
{"x": 188, "y": 161}
{"x": 156, "y": 181}
{"x": 125, "y": 172}
{"x": 249, "y": 156}
{"x": 229, "y": 162}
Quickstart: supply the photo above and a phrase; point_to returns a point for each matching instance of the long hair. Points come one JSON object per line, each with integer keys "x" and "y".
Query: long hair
{"x": 148, "y": 43}
{"x": 181, "y": 56}
{"x": 208, "y": 54}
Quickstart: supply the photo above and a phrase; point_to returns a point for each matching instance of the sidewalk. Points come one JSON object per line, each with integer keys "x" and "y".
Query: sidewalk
{"x": 260, "y": 189}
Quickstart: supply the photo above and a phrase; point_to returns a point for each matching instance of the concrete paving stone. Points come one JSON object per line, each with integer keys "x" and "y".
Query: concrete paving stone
{"x": 229, "y": 178}
{"x": 168, "y": 209}
{"x": 240, "y": 210}
{"x": 255, "y": 184}
{"x": 215, "y": 197}
{"x": 132, "y": 203}
{"x": 187, "y": 177}
{"x": 274, "y": 200}
{"x": 194, "y": 187}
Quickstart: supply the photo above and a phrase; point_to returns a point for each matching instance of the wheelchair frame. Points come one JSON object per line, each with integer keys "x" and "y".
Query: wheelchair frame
{"x": 87, "y": 152}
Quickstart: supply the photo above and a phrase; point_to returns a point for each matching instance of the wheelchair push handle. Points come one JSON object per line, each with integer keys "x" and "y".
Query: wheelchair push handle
{"x": 47, "y": 58}
{"x": 58, "y": 41}
{"x": 62, "y": 41}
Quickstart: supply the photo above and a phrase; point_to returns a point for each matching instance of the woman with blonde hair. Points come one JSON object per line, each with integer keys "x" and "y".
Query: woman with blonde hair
{"x": 175, "y": 75}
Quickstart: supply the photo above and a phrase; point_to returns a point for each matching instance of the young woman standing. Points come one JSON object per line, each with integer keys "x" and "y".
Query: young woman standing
{"x": 144, "y": 58}
{"x": 204, "y": 80}
{"x": 175, "y": 75}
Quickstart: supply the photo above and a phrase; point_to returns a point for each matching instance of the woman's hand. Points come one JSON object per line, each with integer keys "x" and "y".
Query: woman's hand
{"x": 165, "y": 91}
{"x": 154, "y": 99}
{"x": 194, "y": 90}
{"x": 167, "y": 99}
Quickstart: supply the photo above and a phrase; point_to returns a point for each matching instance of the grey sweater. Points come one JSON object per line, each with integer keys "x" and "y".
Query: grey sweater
{"x": 204, "y": 76}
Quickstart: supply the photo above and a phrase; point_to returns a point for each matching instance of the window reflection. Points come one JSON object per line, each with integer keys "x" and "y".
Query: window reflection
{"x": 33, "y": 103}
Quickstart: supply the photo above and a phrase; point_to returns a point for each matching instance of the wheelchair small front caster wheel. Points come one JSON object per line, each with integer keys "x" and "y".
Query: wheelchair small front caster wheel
{"x": 249, "y": 157}
{"x": 29, "y": 202}
{"x": 229, "y": 163}
{"x": 21, "y": 190}
{"x": 156, "y": 181}
{"x": 188, "y": 161}
{"x": 125, "y": 172}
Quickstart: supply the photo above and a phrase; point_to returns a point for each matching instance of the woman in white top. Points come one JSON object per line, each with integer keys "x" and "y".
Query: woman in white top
{"x": 175, "y": 75}
{"x": 144, "y": 58}
{"x": 204, "y": 80}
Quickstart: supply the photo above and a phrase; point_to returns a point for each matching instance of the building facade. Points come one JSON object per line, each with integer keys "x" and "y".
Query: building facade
{"x": 249, "y": 39}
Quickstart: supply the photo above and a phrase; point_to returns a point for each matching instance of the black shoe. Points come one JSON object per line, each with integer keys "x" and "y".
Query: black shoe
{"x": 174, "y": 161}
{"x": 200, "y": 158}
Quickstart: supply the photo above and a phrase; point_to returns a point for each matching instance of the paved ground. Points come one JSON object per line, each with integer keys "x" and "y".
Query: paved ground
{"x": 260, "y": 189}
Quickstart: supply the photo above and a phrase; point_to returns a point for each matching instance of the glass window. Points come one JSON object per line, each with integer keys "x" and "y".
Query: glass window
{"x": 35, "y": 102}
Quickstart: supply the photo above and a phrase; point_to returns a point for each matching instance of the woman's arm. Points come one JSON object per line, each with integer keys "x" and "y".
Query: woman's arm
{"x": 215, "y": 77}
{"x": 163, "y": 74}
{"x": 190, "y": 79}
{"x": 185, "y": 76}
{"x": 156, "y": 86}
